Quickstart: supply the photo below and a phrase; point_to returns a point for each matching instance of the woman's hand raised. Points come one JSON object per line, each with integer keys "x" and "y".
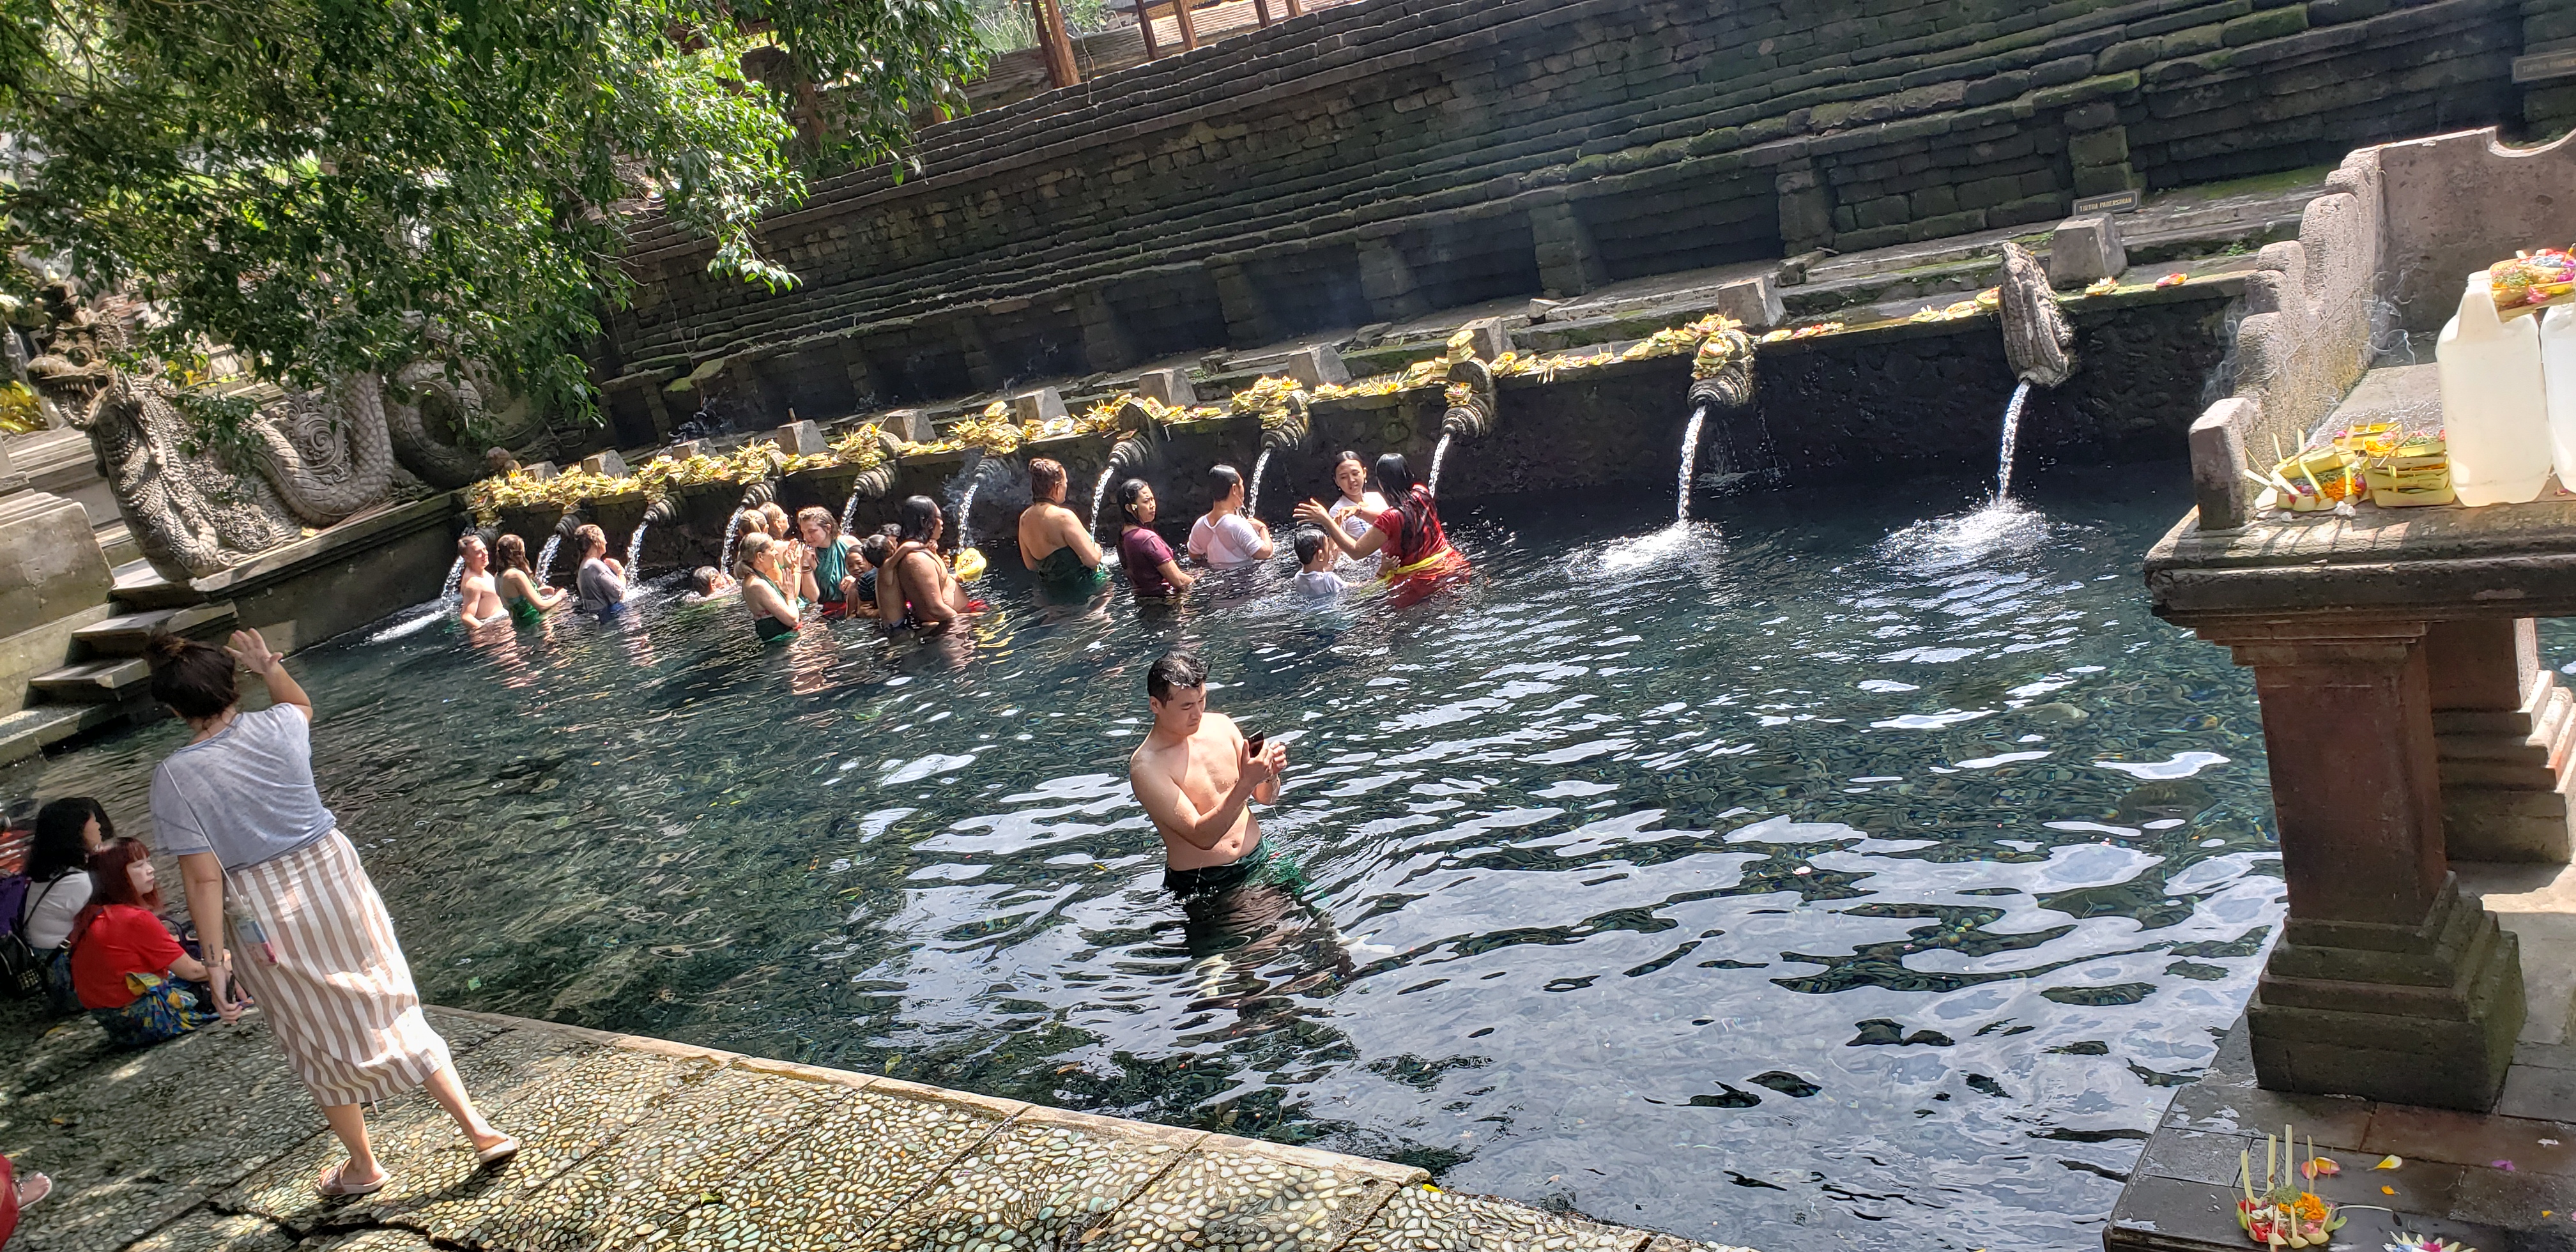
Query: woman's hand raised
{"x": 253, "y": 652}
{"x": 1310, "y": 511}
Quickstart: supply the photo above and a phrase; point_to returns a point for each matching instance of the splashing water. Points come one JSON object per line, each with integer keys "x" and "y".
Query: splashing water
{"x": 546, "y": 558}
{"x": 1438, "y": 454}
{"x": 448, "y": 592}
{"x": 1690, "y": 459}
{"x": 1100, "y": 495}
{"x": 1252, "y": 493}
{"x": 850, "y": 511}
{"x": 2012, "y": 435}
{"x": 733, "y": 531}
{"x": 966, "y": 515}
{"x": 635, "y": 548}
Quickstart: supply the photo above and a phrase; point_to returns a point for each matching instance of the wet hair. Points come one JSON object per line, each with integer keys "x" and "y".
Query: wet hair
{"x": 916, "y": 517}
{"x": 1394, "y": 480}
{"x": 747, "y": 554}
{"x": 873, "y": 550}
{"x": 58, "y": 848}
{"x": 817, "y": 513}
{"x": 194, "y": 679}
{"x": 1222, "y": 481}
{"x": 1045, "y": 478}
{"x": 1310, "y": 544}
{"x": 465, "y": 543}
{"x": 777, "y": 516}
{"x": 703, "y": 579}
{"x": 513, "y": 552}
{"x": 1129, "y": 492}
{"x": 111, "y": 883}
{"x": 590, "y": 536}
{"x": 1176, "y": 670}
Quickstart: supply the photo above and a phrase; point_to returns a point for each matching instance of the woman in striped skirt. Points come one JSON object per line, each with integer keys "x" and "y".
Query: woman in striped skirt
{"x": 258, "y": 850}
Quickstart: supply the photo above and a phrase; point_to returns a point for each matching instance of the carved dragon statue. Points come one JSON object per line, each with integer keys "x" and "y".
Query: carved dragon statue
{"x": 321, "y": 456}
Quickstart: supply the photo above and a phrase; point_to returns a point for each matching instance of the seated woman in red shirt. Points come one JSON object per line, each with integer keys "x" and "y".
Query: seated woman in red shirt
{"x": 126, "y": 968}
{"x": 1418, "y": 555}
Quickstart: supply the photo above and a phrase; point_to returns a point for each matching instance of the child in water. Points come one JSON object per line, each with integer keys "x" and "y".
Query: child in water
{"x": 1315, "y": 578}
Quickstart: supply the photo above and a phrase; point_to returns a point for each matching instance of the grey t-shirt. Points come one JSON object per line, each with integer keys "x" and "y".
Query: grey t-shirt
{"x": 599, "y": 587}
{"x": 245, "y": 795}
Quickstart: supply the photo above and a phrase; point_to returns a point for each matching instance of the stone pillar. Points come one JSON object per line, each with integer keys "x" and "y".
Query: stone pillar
{"x": 1167, "y": 386}
{"x": 1806, "y": 209}
{"x": 2097, "y": 146}
{"x": 1386, "y": 279}
{"x": 1569, "y": 264}
{"x": 2500, "y": 721}
{"x": 1105, "y": 345}
{"x": 980, "y": 369}
{"x": 2387, "y": 983}
{"x": 1247, "y": 316}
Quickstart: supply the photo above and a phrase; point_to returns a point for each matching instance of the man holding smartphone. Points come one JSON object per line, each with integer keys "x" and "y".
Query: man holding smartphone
{"x": 1198, "y": 777}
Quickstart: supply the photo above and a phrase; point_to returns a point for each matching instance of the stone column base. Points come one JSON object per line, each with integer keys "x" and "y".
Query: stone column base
{"x": 2414, "y": 1015}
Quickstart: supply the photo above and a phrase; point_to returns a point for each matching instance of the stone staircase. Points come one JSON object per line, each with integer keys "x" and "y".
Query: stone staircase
{"x": 104, "y": 679}
{"x": 62, "y": 463}
{"x": 2505, "y": 785}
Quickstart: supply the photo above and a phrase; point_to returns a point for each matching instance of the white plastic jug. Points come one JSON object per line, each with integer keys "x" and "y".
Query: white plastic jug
{"x": 2558, "y": 371}
{"x": 2492, "y": 406}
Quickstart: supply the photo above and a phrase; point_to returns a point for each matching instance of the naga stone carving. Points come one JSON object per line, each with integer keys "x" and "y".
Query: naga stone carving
{"x": 427, "y": 398}
{"x": 1722, "y": 370}
{"x": 327, "y": 453}
{"x": 2036, "y": 336}
{"x": 190, "y": 513}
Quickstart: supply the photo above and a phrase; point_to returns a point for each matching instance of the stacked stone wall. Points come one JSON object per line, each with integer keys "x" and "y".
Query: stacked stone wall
{"x": 1368, "y": 162}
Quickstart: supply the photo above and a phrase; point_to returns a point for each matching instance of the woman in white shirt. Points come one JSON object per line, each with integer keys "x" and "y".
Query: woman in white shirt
{"x": 1358, "y": 507}
{"x": 58, "y": 882}
{"x": 1226, "y": 538}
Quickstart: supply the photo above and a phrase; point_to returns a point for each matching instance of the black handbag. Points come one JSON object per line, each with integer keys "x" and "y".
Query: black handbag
{"x": 22, "y": 968}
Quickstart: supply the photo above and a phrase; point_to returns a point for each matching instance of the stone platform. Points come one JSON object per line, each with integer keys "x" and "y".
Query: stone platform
{"x": 2498, "y": 1182}
{"x": 209, "y": 1144}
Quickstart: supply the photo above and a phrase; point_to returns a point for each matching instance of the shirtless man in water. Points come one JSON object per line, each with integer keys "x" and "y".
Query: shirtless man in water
{"x": 478, "y": 598}
{"x": 1198, "y": 778}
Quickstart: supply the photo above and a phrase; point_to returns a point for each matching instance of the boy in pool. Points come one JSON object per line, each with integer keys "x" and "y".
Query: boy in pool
{"x": 1315, "y": 578}
{"x": 1198, "y": 778}
{"x": 709, "y": 582}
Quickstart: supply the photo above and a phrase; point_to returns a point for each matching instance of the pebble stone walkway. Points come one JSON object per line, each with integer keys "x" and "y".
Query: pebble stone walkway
{"x": 208, "y": 1144}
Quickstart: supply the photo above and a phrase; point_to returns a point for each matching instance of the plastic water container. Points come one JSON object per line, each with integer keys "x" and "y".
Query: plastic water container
{"x": 2558, "y": 370}
{"x": 2492, "y": 406}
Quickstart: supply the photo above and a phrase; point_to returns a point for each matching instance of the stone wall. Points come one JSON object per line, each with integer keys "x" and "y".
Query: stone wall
{"x": 1368, "y": 162}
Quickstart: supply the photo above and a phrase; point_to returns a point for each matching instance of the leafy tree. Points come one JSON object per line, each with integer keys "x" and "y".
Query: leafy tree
{"x": 333, "y": 185}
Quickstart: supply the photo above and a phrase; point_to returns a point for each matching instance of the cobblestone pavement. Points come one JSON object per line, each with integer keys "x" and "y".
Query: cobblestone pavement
{"x": 208, "y": 1144}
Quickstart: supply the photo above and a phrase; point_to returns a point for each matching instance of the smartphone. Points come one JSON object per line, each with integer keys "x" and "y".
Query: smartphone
{"x": 1252, "y": 742}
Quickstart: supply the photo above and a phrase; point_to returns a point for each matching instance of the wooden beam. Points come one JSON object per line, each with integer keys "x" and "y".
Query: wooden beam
{"x": 1145, "y": 23}
{"x": 1189, "y": 26}
{"x": 1058, "y": 43}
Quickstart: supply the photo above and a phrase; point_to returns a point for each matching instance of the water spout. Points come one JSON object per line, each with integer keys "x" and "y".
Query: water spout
{"x": 455, "y": 579}
{"x": 635, "y": 548}
{"x": 1438, "y": 454}
{"x": 546, "y": 557}
{"x": 850, "y": 511}
{"x": 966, "y": 514}
{"x": 2012, "y": 435}
{"x": 1690, "y": 460}
{"x": 1127, "y": 456}
{"x": 733, "y": 532}
{"x": 1100, "y": 494}
{"x": 1252, "y": 492}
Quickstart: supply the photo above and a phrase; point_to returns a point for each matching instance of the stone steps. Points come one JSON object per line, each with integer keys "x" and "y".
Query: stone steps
{"x": 2505, "y": 791}
{"x": 30, "y": 731}
{"x": 139, "y": 586}
{"x": 124, "y": 636}
{"x": 112, "y": 680}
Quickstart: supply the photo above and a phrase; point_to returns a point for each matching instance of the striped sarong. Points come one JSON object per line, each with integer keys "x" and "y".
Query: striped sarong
{"x": 331, "y": 978}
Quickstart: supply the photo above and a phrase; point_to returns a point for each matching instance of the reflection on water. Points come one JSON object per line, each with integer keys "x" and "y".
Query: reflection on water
{"x": 1888, "y": 870}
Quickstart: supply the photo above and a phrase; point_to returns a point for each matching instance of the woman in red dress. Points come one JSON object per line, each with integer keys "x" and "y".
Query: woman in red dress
{"x": 1418, "y": 556}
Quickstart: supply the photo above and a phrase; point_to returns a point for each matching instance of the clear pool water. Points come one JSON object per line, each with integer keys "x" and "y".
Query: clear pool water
{"x": 1848, "y": 867}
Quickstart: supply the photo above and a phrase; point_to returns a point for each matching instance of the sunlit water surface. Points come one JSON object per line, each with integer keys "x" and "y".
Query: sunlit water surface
{"x": 1848, "y": 866}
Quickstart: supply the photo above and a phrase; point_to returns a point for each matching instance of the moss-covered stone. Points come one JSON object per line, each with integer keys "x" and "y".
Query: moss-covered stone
{"x": 2267, "y": 24}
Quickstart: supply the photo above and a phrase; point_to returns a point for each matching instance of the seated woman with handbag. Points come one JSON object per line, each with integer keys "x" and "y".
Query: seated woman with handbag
{"x": 67, "y": 831}
{"x": 128, "y": 970}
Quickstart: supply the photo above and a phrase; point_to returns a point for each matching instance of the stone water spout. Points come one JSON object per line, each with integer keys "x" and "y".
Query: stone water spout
{"x": 2037, "y": 342}
{"x": 1127, "y": 456}
{"x": 1722, "y": 372}
{"x": 1471, "y": 400}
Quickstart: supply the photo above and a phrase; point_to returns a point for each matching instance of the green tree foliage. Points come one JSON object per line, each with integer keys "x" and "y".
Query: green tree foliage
{"x": 333, "y": 185}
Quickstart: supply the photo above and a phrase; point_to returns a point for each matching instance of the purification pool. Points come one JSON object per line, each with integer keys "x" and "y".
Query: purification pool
{"x": 1849, "y": 865}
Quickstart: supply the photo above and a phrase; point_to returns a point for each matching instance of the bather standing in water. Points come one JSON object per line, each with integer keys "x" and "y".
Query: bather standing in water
{"x": 1417, "y": 555}
{"x": 1227, "y": 537}
{"x": 527, "y": 602}
{"x": 915, "y": 588}
{"x": 1053, "y": 541}
{"x": 1356, "y": 509}
{"x": 833, "y": 576}
{"x": 478, "y": 597}
{"x": 601, "y": 579}
{"x": 774, "y": 614}
{"x": 1141, "y": 552}
{"x": 1198, "y": 778}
